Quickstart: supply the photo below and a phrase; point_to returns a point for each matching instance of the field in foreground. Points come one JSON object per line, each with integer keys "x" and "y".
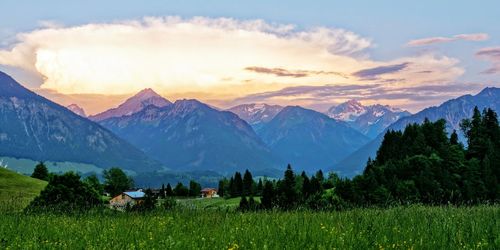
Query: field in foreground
{"x": 414, "y": 227}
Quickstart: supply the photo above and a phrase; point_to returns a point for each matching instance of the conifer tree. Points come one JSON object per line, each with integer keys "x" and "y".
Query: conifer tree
{"x": 40, "y": 172}
{"x": 238, "y": 184}
{"x": 247, "y": 183}
{"x": 243, "y": 203}
{"x": 221, "y": 187}
{"x": 169, "y": 192}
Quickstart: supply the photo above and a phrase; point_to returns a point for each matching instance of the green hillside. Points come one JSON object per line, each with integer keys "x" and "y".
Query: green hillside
{"x": 17, "y": 190}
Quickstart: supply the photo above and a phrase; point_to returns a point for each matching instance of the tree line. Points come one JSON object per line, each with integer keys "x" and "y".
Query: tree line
{"x": 418, "y": 165}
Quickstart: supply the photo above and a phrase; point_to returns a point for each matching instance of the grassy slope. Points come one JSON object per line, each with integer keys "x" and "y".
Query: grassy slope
{"x": 17, "y": 190}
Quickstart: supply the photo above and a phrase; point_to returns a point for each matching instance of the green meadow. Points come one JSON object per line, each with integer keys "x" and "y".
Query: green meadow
{"x": 215, "y": 224}
{"x": 415, "y": 227}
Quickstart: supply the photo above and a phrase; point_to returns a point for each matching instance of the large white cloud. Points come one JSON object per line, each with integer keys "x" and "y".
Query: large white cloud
{"x": 174, "y": 55}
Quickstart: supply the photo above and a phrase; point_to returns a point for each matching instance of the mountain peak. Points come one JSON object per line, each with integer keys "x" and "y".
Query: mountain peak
{"x": 489, "y": 91}
{"x": 134, "y": 104}
{"x": 146, "y": 93}
{"x": 77, "y": 109}
{"x": 9, "y": 87}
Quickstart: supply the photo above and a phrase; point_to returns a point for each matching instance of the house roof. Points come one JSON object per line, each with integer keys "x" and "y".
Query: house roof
{"x": 135, "y": 194}
{"x": 208, "y": 189}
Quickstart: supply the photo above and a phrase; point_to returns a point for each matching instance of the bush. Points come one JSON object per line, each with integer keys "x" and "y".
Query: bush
{"x": 66, "y": 193}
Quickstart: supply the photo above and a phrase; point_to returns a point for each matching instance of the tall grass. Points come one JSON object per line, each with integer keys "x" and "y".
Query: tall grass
{"x": 415, "y": 227}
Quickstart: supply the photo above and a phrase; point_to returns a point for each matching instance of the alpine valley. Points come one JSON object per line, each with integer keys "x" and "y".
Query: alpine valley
{"x": 151, "y": 136}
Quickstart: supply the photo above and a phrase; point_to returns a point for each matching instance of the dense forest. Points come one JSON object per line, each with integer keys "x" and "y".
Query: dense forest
{"x": 418, "y": 165}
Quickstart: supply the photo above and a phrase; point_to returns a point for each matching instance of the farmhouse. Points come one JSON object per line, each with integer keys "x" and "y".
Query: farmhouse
{"x": 209, "y": 193}
{"x": 125, "y": 199}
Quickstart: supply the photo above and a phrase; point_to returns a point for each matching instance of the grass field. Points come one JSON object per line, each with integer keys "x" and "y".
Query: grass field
{"x": 212, "y": 203}
{"x": 17, "y": 190}
{"x": 213, "y": 224}
{"x": 414, "y": 227}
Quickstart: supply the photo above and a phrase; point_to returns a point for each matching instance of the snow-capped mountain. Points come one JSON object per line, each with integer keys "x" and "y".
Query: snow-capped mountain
{"x": 133, "y": 105}
{"x": 77, "y": 110}
{"x": 348, "y": 111}
{"x": 369, "y": 120}
{"x": 256, "y": 114}
{"x": 453, "y": 111}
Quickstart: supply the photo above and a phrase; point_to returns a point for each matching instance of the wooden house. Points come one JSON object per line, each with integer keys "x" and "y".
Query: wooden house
{"x": 209, "y": 193}
{"x": 127, "y": 199}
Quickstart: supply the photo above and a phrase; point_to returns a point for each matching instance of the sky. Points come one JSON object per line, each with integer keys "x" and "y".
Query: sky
{"x": 311, "y": 53}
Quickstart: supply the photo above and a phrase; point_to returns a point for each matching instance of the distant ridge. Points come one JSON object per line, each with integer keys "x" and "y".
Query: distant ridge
{"x": 256, "y": 114}
{"x": 310, "y": 140}
{"x": 370, "y": 120}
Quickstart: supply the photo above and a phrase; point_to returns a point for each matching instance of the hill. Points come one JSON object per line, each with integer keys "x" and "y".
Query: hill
{"x": 17, "y": 190}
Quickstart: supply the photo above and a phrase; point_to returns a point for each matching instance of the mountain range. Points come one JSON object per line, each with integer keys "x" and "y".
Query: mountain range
{"x": 369, "y": 120}
{"x": 190, "y": 135}
{"x": 453, "y": 111}
{"x": 35, "y": 128}
{"x": 148, "y": 133}
{"x": 308, "y": 139}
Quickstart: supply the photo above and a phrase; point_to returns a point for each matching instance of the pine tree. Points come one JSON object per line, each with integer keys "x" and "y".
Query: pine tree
{"x": 238, "y": 184}
{"x": 149, "y": 201}
{"x": 247, "y": 183}
{"x": 162, "y": 191}
{"x": 243, "y": 203}
{"x": 252, "y": 204}
{"x": 169, "y": 192}
{"x": 306, "y": 186}
{"x": 41, "y": 172}
{"x": 232, "y": 188}
{"x": 181, "y": 190}
{"x": 259, "y": 188}
{"x": 268, "y": 195}
{"x": 194, "y": 188}
{"x": 288, "y": 194}
{"x": 221, "y": 187}
{"x": 454, "y": 138}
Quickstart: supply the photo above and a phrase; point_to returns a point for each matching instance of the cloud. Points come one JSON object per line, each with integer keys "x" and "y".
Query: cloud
{"x": 322, "y": 97}
{"x": 292, "y": 73}
{"x": 216, "y": 59}
{"x": 374, "y": 72}
{"x": 491, "y": 54}
{"x": 434, "y": 40}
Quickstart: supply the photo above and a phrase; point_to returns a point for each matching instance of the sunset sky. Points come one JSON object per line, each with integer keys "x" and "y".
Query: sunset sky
{"x": 310, "y": 53}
